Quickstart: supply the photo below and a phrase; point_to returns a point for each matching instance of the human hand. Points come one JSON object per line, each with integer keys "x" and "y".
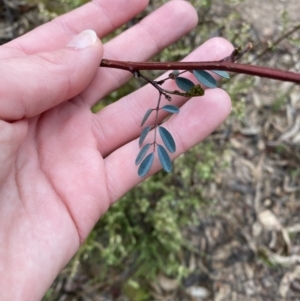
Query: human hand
{"x": 62, "y": 166}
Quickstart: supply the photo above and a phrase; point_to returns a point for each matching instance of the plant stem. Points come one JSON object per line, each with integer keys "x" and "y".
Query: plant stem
{"x": 276, "y": 42}
{"x": 157, "y": 86}
{"x": 156, "y": 120}
{"x": 260, "y": 71}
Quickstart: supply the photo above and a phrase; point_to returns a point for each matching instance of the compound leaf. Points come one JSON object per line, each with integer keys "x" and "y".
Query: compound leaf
{"x": 221, "y": 73}
{"x": 149, "y": 111}
{"x": 144, "y": 133}
{"x": 167, "y": 139}
{"x": 164, "y": 158}
{"x": 205, "y": 78}
{"x": 171, "y": 109}
{"x": 146, "y": 165}
{"x": 184, "y": 83}
{"x": 142, "y": 153}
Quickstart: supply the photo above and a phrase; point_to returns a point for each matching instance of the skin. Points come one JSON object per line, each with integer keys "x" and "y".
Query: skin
{"x": 62, "y": 166}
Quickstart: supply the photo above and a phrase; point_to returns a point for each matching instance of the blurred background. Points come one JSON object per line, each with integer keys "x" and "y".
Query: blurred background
{"x": 225, "y": 224}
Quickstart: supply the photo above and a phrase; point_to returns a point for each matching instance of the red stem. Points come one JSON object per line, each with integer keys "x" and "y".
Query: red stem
{"x": 267, "y": 72}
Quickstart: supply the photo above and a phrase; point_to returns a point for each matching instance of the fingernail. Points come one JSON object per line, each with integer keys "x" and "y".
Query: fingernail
{"x": 85, "y": 39}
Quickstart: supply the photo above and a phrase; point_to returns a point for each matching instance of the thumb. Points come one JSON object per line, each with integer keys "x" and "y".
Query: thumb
{"x": 30, "y": 85}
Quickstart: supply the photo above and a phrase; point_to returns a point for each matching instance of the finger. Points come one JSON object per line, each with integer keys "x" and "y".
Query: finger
{"x": 120, "y": 122}
{"x": 32, "y": 84}
{"x": 11, "y": 137}
{"x": 103, "y": 16}
{"x": 140, "y": 43}
{"x": 196, "y": 120}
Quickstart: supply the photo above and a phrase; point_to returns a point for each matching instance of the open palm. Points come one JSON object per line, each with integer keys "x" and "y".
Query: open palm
{"x": 62, "y": 166}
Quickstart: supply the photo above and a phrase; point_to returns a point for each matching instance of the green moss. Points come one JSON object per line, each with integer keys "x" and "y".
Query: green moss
{"x": 135, "y": 292}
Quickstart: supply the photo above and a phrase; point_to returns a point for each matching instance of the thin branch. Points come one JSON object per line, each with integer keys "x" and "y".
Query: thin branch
{"x": 226, "y": 64}
{"x": 267, "y": 72}
{"x": 157, "y": 86}
{"x": 276, "y": 42}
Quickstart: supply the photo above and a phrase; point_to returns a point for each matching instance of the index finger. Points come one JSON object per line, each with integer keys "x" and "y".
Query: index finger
{"x": 103, "y": 16}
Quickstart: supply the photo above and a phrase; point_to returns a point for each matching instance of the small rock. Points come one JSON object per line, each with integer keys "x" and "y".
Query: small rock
{"x": 269, "y": 221}
{"x": 199, "y": 292}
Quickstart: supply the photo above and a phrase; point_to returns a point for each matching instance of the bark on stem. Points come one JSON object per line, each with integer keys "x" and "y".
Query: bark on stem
{"x": 267, "y": 72}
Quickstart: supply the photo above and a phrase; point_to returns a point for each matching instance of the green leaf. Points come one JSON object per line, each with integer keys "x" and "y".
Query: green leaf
{"x": 164, "y": 158}
{"x": 167, "y": 139}
{"x": 184, "y": 83}
{"x": 171, "y": 109}
{"x": 146, "y": 165}
{"x": 221, "y": 73}
{"x": 144, "y": 133}
{"x": 205, "y": 78}
{"x": 142, "y": 153}
{"x": 149, "y": 111}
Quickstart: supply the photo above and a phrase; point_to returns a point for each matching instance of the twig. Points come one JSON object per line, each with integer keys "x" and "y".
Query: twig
{"x": 267, "y": 72}
{"x": 276, "y": 42}
{"x": 145, "y": 159}
{"x": 227, "y": 64}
